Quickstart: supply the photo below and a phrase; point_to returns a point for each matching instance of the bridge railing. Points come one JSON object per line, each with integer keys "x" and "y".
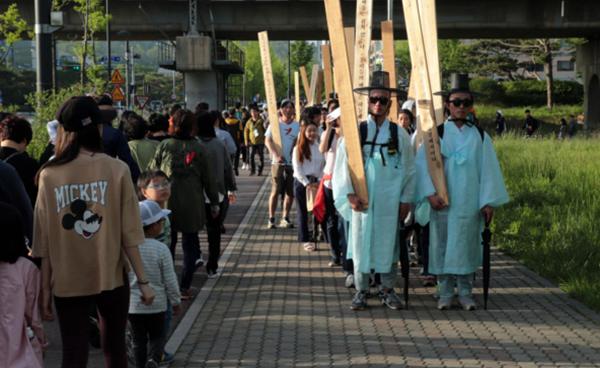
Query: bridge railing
{"x": 229, "y": 51}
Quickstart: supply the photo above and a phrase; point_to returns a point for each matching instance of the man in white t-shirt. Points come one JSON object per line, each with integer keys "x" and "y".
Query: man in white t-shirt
{"x": 281, "y": 165}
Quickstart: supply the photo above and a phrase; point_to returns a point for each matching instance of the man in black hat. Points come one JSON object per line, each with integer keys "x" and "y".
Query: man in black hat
{"x": 475, "y": 186}
{"x": 389, "y": 171}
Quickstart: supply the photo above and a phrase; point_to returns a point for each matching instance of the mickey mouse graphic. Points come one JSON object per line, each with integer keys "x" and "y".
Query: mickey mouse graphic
{"x": 85, "y": 222}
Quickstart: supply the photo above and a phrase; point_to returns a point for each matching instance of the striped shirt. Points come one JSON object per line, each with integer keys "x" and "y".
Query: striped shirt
{"x": 160, "y": 272}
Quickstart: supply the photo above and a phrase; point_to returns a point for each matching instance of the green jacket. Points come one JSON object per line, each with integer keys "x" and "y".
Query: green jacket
{"x": 254, "y": 132}
{"x": 142, "y": 151}
{"x": 187, "y": 165}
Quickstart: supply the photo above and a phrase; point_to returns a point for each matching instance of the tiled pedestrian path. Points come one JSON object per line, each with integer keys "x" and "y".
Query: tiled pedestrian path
{"x": 276, "y": 305}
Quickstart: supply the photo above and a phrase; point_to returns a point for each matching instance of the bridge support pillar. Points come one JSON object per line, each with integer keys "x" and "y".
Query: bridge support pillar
{"x": 204, "y": 86}
{"x": 588, "y": 64}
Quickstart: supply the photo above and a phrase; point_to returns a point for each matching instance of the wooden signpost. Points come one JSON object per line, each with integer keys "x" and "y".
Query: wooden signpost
{"x": 364, "y": 20}
{"x": 389, "y": 63}
{"x": 314, "y": 82}
{"x": 327, "y": 75}
{"x": 305, "y": 83}
{"x": 343, "y": 82}
{"x": 424, "y": 95}
{"x": 429, "y": 28}
{"x": 265, "y": 55}
{"x": 349, "y": 33}
{"x": 297, "y": 94}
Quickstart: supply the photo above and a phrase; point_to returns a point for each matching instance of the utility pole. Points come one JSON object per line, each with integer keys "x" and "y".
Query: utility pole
{"x": 289, "y": 91}
{"x": 43, "y": 45}
{"x": 108, "y": 50}
{"x": 390, "y": 10}
{"x": 127, "y": 75}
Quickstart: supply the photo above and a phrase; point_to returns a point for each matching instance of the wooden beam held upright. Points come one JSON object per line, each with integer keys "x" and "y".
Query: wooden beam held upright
{"x": 328, "y": 74}
{"x": 265, "y": 55}
{"x": 389, "y": 63}
{"x": 364, "y": 21}
{"x": 424, "y": 97}
{"x": 349, "y": 34}
{"x": 343, "y": 81}
{"x": 314, "y": 81}
{"x": 305, "y": 83}
{"x": 297, "y": 95}
{"x": 429, "y": 25}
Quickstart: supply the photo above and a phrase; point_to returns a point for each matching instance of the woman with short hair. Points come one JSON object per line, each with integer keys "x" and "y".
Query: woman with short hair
{"x": 187, "y": 164}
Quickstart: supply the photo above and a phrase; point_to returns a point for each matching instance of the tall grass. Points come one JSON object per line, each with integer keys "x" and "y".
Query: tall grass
{"x": 551, "y": 223}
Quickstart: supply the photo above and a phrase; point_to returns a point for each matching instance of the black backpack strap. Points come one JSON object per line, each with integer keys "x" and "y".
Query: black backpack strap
{"x": 363, "y": 130}
{"x": 481, "y": 132}
{"x": 394, "y": 134}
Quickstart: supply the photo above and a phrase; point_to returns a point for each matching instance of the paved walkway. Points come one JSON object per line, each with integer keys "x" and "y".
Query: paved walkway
{"x": 278, "y": 306}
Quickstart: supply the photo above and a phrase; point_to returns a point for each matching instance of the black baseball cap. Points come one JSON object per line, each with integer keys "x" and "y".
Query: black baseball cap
{"x": 78, "y": 112}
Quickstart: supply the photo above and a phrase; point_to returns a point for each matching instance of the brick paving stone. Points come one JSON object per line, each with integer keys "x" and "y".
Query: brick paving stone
{"x": 278, "y": 306}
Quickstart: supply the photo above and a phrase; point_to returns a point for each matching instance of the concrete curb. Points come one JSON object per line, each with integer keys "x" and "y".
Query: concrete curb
{"x": 186, "y": 323}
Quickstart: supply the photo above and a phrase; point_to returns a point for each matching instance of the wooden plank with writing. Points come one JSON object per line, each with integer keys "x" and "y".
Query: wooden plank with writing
{"x": 429, "y": 25}
{"x": 305, "y": 83}
{"x": 425, "y": 108}
{"x": 412, "y": 85}
{"x": 343, "y": 81}
{"x": 265, "y": 55}
{"x": 362, "y": 45}
{"x": 389, "y": 63}
{"x": 327, "y": 73}
{"x": 297, "y": 94}
{"x": 349, "y": 34}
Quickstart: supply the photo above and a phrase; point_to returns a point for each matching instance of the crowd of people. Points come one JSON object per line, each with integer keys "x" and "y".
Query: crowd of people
{"x": 107, "y": 205}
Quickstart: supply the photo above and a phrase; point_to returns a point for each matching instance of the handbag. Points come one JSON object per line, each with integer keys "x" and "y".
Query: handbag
{"x": 311, "y": 195}
{"x": 319, "y": 208}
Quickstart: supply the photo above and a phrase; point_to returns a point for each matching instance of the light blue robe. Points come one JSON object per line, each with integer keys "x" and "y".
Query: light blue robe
{"x": 372, "y": 234}
{"x": 474, "y": 180}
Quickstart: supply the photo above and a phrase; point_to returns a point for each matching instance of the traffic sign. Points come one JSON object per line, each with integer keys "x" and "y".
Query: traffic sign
{"x": 117, "y": 94}
{"x": 116, "y": 77}
{"x": 141, "y": 101}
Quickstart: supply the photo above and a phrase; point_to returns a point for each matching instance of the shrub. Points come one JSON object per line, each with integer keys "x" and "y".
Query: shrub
{"x": 533, "y": 92}
{"x": 487, "y": 90}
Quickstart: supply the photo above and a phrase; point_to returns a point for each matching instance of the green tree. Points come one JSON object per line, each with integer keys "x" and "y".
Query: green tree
{"x": 13, "y": 28}
{"x": 302, "y": 54}
{"x": 254, "y": 82}
{"x": 403, "y": 65}
{"x": 94, "y": 20}
{"x": 454, "y": 57}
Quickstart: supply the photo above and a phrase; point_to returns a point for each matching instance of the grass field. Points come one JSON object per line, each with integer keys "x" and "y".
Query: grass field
{"x": 552, "y": 221}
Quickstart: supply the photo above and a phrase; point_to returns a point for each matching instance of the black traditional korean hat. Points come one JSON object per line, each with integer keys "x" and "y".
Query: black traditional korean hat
{"x": 459, "y": 82}
{"x": 380, "y": 80}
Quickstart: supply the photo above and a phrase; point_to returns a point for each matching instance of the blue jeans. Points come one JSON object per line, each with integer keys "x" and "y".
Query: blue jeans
{"x": 191, "y": 253}
{"x": 446, "y": 284}
{"x": 388, "y": 280}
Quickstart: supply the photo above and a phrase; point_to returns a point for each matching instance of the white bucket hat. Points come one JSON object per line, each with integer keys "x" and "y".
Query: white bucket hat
{"x": 151, "y": 212}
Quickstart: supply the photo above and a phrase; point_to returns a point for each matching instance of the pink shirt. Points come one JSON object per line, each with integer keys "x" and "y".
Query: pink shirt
{"x": 19, "y": 290}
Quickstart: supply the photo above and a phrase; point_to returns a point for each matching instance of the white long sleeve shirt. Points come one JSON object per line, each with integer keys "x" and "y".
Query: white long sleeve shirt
{"x": 312, "y": 167}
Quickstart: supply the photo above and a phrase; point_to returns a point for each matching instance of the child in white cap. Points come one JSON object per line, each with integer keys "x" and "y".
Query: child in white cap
{"x": 148, "y": 321}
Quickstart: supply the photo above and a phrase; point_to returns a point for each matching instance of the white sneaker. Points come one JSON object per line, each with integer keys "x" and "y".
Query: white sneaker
{"x": 444, "y": 303}
{"x": 467, "y": 303}
{"x": 286, "y": 223}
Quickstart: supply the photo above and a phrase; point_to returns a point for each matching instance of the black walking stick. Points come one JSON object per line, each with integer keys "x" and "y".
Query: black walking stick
{"x": 404, "y": 262}
{"x": 486, "y": 238}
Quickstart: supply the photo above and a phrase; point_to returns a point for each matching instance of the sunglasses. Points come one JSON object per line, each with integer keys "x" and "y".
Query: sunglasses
{"x": 381, "y": 100}
{"x": 457, "y": 102}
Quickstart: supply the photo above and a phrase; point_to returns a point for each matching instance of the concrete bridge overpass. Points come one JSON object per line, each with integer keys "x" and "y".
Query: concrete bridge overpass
{"x": 305, "y": 19}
